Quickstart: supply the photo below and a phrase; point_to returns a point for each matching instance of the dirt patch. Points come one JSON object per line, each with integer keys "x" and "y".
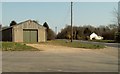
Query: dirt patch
{"x": 55, "y": 49}
{"x": 63, "y": 49}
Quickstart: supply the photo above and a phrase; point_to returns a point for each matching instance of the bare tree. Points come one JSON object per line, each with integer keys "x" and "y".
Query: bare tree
{"x": 116, "y": 13}
{"x": 117, "y": 18}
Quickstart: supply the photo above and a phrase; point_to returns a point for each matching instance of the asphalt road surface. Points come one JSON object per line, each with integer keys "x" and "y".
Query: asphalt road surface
{"x": 61, "y": 59}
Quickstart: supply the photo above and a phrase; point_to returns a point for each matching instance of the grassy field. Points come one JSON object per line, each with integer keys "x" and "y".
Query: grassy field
{"x": 12, "y": 46}
{"x": 75, "y": 44}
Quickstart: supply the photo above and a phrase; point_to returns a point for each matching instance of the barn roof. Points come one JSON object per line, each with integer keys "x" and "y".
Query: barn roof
{"x": 7, "y": 28}
{"x": 28, "y": 21}
{"x": 22, "y": 23}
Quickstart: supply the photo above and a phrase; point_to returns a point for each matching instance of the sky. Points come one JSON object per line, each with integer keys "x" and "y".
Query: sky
{"x": 59, "y": 0}
{"x": 57, "y": 14}
{"x": 119, "y": 9}
{"x": 0, "y": 12}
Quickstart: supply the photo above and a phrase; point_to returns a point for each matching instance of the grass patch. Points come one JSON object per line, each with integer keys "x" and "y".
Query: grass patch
{"x": 75, "y": 44}
{"x": 105, "y": 41}
{"x": 12, "y": 46}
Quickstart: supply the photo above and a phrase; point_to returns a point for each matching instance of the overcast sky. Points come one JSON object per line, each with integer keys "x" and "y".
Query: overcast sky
{"x": 57, "y": 14}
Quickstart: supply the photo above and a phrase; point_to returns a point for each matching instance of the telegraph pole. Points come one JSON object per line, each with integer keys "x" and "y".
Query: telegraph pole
{"x": 71, "y": 22}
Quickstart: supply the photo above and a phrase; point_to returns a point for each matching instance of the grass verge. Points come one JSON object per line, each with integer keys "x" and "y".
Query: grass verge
{"x": 105, "y": 41}
{"x": 75, "y": 44}
{"x": 12, "y": 46}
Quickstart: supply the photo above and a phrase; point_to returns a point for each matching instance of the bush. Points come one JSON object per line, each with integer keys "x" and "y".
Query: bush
{"x": 108, "y": 36}
{"x": 50, "y": 34}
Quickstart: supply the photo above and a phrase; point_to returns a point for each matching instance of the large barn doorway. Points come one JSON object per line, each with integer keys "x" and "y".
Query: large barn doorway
{"x": 30, "y": 35}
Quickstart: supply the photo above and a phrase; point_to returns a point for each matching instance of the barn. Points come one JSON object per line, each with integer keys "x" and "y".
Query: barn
{"x": 27, "y": 31}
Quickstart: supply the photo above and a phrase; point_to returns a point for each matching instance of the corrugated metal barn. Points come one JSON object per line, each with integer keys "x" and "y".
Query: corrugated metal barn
{"x": 27, "y": 31}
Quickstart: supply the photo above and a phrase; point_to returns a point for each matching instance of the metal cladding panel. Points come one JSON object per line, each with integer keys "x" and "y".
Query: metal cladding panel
{"x": 7, "y": 34}
{"x": 33, "y": 36}
{"x": 30, "y": 36}
{"x": 26, "y": 37}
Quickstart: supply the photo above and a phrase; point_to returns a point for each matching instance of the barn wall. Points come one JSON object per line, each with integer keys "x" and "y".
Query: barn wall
{"x": 29, "y": 25}
{"x": 17, "y": 34}
{"x": 42, "y": 35}
{"x": 7, "y": 34}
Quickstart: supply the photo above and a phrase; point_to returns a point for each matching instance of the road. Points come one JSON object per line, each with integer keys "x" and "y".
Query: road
{"x": 116, "y": 45}
{"x": 61, "y": 59}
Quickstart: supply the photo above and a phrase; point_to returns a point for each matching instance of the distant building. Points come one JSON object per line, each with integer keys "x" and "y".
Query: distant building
{"x": 95, "y": 36}
{"x": 27, "y": 31}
